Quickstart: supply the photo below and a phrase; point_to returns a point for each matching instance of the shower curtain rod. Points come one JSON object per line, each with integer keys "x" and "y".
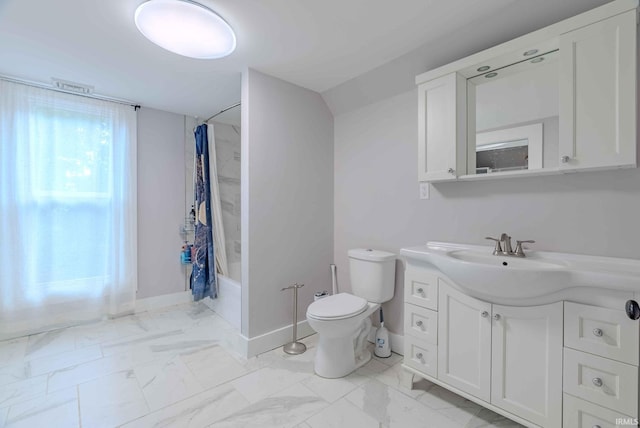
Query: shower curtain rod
{"x": 51, "y": 88}
{"x": 223, "y": 110}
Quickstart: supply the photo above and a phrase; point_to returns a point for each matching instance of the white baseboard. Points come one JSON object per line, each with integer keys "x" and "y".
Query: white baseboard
{"x": 275, "y": 338}
{"x": 163, "y": 301}
{"x": 397, "y": 340}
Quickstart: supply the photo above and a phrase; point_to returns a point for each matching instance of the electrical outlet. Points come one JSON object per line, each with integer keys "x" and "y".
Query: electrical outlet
{"x": 424, "y": 190}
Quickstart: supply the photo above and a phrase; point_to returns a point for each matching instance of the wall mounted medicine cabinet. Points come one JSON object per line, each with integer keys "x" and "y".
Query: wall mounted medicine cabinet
{"x": 561, "y": 99}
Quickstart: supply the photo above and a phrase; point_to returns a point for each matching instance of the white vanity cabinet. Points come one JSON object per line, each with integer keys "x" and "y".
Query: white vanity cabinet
{"x": 560, "y": 364}
{"x": 441, "y": 128}
{"x": 598, "y": 94}
{"x": 548, "y": 340}
{"x": 508, "y": 356}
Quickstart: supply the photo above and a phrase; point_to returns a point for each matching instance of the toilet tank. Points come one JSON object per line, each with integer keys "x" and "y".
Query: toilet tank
{"x": 372, "y": 274}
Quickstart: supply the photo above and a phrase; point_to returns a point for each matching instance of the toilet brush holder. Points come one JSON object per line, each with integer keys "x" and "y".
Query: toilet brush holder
{"x": 295, "y": 347}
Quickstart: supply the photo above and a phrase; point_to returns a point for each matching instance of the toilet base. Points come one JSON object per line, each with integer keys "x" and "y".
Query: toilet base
{"x": 335, "y": 357}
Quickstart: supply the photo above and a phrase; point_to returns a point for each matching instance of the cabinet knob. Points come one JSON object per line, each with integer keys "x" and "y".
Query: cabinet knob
{"x": 451, "y": 171}
{"x": 497, "y": 317}
{"x": 565, "y": 159}
{"x": 596, "y": 426}
{"x": 419, "y": 323}
{"x": 420, "y": 291}
{"x": 597, "y": 382}
{"x": 484, "y": 314}
{"x": 419, "y": 355}
{"x": 597, "y": 332}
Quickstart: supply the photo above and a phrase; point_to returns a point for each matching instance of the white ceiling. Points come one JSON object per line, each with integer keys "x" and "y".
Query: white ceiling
{"x": 314, "y": 44}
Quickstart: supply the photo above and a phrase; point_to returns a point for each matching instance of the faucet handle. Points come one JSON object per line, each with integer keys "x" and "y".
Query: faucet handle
{"x": 498, "y": 249}
{"x": 519, "y": 251}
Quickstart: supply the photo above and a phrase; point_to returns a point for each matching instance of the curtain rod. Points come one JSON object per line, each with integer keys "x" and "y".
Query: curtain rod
{"x": 51, "y": 88}
{"x": 223, "y": 110}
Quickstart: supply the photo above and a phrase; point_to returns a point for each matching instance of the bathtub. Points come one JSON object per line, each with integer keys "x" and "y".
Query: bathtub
{"x": 228, "y": 303}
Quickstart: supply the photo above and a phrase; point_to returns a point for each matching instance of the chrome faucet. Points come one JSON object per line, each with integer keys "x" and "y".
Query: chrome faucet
{"x": 506, "y": 244}
{"x": 503, "y": 246}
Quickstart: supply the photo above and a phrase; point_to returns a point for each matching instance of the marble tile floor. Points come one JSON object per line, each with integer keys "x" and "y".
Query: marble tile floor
{"x": 178, "y": 367}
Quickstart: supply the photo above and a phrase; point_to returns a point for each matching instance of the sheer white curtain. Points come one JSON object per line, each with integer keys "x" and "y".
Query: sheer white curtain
{"x": 220, "y": 243}
{"x": 67, "y": 209}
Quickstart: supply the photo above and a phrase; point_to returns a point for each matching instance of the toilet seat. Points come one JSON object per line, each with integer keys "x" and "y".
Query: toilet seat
{"x": 338, "y": 306}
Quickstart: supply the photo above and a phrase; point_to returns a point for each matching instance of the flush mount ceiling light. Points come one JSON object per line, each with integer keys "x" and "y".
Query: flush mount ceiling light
{"x": 186, "y": 28}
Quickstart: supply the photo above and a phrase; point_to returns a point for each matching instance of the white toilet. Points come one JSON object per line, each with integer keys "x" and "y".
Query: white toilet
{"x": 342, "y": 320}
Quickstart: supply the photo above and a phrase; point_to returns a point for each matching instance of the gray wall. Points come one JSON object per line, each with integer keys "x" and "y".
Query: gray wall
{"x": 398, "y": 76}
{"x": 287, "y": 201}
{"x": 161, "y": 188}
{"x": 377, "y": 206}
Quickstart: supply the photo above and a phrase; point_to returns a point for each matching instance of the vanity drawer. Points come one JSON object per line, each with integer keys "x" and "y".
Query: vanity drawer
{"x": 578, "y": 413}
{"x": 421, "y": 355}
{"x": 421, "y": 287}
{"x": 605, "y": 332}
{"x": 421, "y": 323}
{"x": 600, "y": 380}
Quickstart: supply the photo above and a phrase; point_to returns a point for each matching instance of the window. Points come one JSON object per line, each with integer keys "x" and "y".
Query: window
{"x": 67, "y": 207}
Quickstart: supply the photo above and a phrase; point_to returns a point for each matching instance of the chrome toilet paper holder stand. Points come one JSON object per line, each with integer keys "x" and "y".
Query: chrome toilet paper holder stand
{"x": 294, "y": 347}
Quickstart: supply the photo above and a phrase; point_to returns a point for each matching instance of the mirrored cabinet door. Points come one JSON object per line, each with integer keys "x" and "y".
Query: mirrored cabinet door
{"x": 513, "y": 116}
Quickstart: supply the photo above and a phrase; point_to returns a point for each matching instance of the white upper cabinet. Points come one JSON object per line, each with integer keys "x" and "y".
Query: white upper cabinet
{"x": 558, "y": 100}
{"x": 598, "y": 94}
{"x": 441, "y": 128}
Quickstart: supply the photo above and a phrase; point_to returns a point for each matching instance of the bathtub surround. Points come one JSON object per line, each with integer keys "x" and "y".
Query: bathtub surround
{"x": 228, "y": 302}
{"x": 228, "y": 155}
{"x": 227, "y": 146}
{"x": 287, "y": 217}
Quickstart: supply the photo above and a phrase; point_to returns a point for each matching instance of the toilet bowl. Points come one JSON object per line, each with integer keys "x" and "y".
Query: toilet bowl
{"x": 342, "y": 323}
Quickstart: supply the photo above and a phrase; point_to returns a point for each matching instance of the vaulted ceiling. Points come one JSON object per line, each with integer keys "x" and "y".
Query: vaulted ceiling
{"x": 314, "y": 44}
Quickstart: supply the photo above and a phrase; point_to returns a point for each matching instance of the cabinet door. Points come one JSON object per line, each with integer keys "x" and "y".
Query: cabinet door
{"x": 442, "y": 128}
{"x": 464, "y": 342}
{"x": 598, "y": 94}
{"x": 526, "y": 377}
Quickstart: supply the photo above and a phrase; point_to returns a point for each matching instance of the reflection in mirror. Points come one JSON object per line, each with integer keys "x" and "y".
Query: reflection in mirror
{"x": 516, "y": 116}
{"x": 509, "y": 149}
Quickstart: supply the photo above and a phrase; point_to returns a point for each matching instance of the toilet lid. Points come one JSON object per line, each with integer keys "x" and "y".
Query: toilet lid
{"x": 342, "y": 305}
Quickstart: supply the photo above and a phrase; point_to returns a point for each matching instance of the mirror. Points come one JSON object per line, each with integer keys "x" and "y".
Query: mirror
{"x": 513, "y": 116}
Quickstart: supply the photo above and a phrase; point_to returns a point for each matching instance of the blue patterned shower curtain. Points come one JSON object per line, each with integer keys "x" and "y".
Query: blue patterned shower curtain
{"x": 203, "y": 275}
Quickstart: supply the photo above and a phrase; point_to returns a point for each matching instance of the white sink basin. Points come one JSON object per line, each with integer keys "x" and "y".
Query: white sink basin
{"x": 511, "y": 279}
{"x": 503, "y": 262}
